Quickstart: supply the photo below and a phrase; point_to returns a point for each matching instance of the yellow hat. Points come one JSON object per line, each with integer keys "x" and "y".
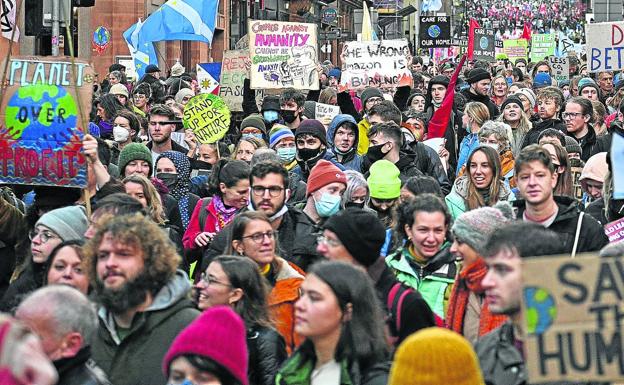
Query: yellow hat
{"x": 435, "y": 356}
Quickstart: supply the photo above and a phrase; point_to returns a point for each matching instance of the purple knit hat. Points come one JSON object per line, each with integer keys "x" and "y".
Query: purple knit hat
{"x": 218, "y": 334}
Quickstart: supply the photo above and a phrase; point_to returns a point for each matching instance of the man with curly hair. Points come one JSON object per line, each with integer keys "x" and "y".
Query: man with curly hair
{"x": 143, "y": 298}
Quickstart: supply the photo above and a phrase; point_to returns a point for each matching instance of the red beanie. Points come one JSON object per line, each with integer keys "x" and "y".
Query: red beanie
{"x": 322, "y": 174}
{"x": 218, "y": 334}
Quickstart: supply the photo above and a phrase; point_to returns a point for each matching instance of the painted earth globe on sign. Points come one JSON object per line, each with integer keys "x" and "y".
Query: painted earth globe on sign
{"x": 434, "y": 31}
{"x": 483, "y": 42}
{"x": 42, "y": 116}
{"x": 541, "y": 309}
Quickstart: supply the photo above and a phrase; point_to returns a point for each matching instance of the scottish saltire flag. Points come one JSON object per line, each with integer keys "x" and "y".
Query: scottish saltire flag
{"x": 208, "y": 77}
{"x": 174, "y": 20}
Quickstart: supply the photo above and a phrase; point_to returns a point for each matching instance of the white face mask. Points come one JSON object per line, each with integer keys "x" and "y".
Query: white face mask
{"x": 492, "y": 145}
{"x": 120, "y": 134}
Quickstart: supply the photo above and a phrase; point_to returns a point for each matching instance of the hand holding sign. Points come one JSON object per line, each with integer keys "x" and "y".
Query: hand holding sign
{"x": 208, "y": 117}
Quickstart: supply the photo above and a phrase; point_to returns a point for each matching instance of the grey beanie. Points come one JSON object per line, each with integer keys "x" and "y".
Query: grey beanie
{"x": 69, "y": 223}
{"x": 474, "y": 227}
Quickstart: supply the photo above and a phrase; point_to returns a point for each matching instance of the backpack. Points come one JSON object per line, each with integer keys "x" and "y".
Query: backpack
{"x": 394, "y": 305}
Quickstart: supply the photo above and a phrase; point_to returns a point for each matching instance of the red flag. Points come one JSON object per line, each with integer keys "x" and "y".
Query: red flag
{"x": 473, "y": 25}
{"x": 526, "y": 32}
{"x": 439, "y": 120}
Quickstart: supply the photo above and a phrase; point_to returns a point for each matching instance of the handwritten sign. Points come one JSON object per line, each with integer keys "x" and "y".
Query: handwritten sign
{"x": 577, "y": 189}
{"x": 208, "y": 117}
{"x": 560, "y": 68}
{"x": 515, "y": 49}
{"x": 615, "y": 230}
{"x": 325, "y": 113}
{"x": 542, "y": 45}
{"x": 283, "y": 55}
{"x": 382, "y": 63}
{"x": 233, "y": 74}
{"x": 573, "y": 315}
{"x": 484, "y": 47}
{"x": 435, "y": 31}
{"x": 605, "y": 42}
{"x": 43, "y": 115}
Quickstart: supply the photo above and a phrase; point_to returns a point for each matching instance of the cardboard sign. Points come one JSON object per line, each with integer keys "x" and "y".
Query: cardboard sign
{"x": 208, "y": 117}
{"x": 560, "y": 68}
{"x": 605, "y": 42}
{"x": 573, "y": 314}
{"x": 542, "y": 45}
{"x": 44, "y": 113}
{"x": 577, "y": 189}
{"x": 283, "y": 55}
{"x": 325, "y": 113}
{"x": 515, "y": 49}
{"x": 435, "y": 31}
{"x": 383, "y": 63}
{"x": 615, "y": 230}
{"x": 208, "y": 76}
{"x": 484, "y": 46}
{"x": 233, "y": 74}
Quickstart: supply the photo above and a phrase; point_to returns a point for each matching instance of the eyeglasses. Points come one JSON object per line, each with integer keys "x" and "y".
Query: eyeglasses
{"x": 274, "y": 191}
{"x": 571, "y": 115}
{"x": 208, "y": 280}
{"x": 259, "y": 237}
{"x": 323, "y": 240}
{"x": 44, "y": 235}
{"x": 374, "y": 100}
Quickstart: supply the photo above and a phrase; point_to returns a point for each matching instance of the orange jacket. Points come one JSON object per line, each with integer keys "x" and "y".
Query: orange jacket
{"x": 281, "y": 303}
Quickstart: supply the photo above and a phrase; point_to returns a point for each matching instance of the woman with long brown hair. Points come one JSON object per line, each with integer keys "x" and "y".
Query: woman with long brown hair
{"x": 559, "y": 156}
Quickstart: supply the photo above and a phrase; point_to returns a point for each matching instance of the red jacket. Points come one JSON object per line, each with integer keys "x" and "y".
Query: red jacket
{"x": 193, "y": 230}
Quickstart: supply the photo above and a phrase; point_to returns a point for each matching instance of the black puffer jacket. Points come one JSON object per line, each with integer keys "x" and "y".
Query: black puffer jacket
{"x": 592, "y": 144}
{"x": 492, "y": 108}
{"x": 591, "y": 237}
{"x": 532, "y": 136}
{"x": 80, "y": 370}
{"x": 267, "y": 351}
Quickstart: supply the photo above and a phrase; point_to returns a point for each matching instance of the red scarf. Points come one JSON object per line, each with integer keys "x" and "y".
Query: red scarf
{"x": 469, "y": 280}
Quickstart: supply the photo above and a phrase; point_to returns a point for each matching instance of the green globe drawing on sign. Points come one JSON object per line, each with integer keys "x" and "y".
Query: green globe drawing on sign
{"x": 541, "y": 309}
{"x": 434, "y": 31}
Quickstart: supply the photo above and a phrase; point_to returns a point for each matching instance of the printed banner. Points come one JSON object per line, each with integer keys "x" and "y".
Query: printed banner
{"x": 233, "y": 74}
{"x": 208, "y": 117}
{"x": 283, "y": 55}
{"x": 515, "y": 49}
{"x": 573, "y": 315}
{"x": 325, "y": 113}
{"x": 484, "y": 48}
{"x": 605, "y": 42}
{"x": 381, "y": 63}
{"x": 542, "y": 45}
{"x": 44, "y": 113}
{"x": 560, "y": 68}
{"x": 208, "y": 75}
{"x": 615, "y": 230}
{"x": 435, "y": 31}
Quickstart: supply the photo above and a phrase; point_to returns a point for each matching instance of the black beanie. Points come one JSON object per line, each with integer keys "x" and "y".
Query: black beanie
{"x": 312, "y": 127}
{"x": 477, "y": 74}
{"x": 349, "y": 225}
{"x": 512, "y": 99}
{"x": 439, "y": 79}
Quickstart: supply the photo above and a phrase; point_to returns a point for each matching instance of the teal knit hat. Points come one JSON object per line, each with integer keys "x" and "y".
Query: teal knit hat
{"x": 134, "y": 151}
{"x": 383, "y": 181}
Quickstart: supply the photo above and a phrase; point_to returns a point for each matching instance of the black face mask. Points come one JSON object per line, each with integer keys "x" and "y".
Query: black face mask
{"x": 288, "y": 116}
{"x": 359, "y": 205}
{"x": 169, "y": 179}
{"x": 306, "y": 154}
{"x": 375, "y": 153}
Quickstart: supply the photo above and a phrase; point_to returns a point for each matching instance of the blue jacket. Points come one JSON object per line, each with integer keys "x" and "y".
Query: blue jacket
{"x": 350, "y": 160}
{"x": 467, "y": 146}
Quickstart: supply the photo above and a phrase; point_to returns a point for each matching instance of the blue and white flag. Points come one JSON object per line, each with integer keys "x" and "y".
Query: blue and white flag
{"x": 175, "y": 20}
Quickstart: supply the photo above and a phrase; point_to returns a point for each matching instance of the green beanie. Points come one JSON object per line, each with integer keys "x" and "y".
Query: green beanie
{"x": 384, "y": 181}
{"x": 134, "y": 151}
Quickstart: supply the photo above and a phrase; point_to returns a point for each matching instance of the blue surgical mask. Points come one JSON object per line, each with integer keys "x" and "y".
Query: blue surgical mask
{"x": 257, "y": 136}
{"x": 287, "y": 154}
{"x": 328, "y": 205}
{"x": 270, "y": 116}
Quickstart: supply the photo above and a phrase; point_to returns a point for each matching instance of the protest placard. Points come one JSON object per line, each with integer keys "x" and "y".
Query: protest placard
{"x": 233, "y": 74}
{"x": 435, "y": 31}
{"x": 484, "y": 47}
{"x": 381, "y": 63}
{"x": 283, "y": 55}
{"x": 560, "y": 68}
{"x": 542, "y": 45}
{"x": 208, "y": 117}
{"x": 573, "y": 313}
{"x": 605, "y": 42}
{"x": 615, "y": 230}
{"x": 325, "y": 113}
{"x": 515, "y": 49}
{"x": 43, "y": 115}
{"x": 208, "y": 77}
{"x": 577, "y": 189}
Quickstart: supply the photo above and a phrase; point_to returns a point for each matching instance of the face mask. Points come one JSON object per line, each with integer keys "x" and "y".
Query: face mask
{"x": 359, "y": 205}
{"x": 169, "y": 179}
{"x": 492, "y": 145}
{"x": 289, "y": 116}
{"x": 375, "y": 153}
{"x": 270, "y": 116}
{"x": 306, "y": 154}
{"x": 257, "y": 136}
{"x": 120, "y": 134}
{"x": 286, "y": 154}
{"x": 566, "y": 94}
{"x": 328, "y": 205}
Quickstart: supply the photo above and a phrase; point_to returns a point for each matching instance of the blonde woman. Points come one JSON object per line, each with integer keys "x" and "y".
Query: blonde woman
{"x": 475, "y": 114}
{"x": 499, "y": 89}
{"x": 512, "y": 113}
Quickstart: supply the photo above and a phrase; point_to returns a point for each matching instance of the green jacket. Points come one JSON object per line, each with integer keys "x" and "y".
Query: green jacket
{"x": 433, "y": 281}
{"x": 137, "y": 359}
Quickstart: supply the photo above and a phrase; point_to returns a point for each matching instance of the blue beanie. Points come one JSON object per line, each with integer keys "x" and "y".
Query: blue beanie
{"x": 279, "y": 134}
{"x": 542, "y": 79}
{"x": 334, "y": 72}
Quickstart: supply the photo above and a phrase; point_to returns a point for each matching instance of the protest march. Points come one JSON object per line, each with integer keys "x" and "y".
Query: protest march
{"x": 203, "y": 192}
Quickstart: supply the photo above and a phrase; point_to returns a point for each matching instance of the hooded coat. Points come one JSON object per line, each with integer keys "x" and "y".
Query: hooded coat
{"x": 350, "y": 160}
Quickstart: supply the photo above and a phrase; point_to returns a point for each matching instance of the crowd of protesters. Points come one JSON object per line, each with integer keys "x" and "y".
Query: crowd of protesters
{"x": 294, "y": 253}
